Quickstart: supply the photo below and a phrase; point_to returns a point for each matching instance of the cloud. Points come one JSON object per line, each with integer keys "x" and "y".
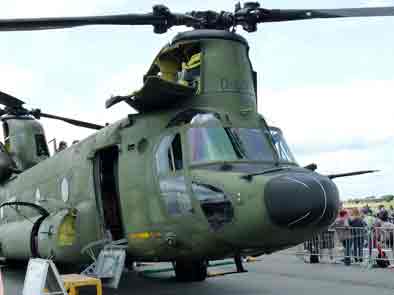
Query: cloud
{"x": 378, "y": 157}
{"x": 18, "y": 81}
{"x": 124, "y": 82}
{"x": 361, "y": 112}
{"x": 355, "y": 144}
{"x": 121, "y": 83}
{"x": 376, "y": 3}
{"x": 43, "y": 8}
{"x": 342, "y": 128}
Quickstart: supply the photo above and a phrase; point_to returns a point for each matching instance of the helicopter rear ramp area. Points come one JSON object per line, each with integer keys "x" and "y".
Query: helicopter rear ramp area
{"x": 277, "y": 274}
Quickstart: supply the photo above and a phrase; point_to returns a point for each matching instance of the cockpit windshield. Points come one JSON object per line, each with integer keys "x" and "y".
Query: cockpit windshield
{"x": 229, "y": 144}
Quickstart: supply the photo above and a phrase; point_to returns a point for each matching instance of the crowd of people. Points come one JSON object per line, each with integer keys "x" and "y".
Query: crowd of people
{"x": 363, "y": 228}
{"x": 357, "y": 229}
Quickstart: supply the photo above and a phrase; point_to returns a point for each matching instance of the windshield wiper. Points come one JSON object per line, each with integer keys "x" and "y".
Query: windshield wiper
{"x": 237, "y": 143}
{"x": 249, "y": 176}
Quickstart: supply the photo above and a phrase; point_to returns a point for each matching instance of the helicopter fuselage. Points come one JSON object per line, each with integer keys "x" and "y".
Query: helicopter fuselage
{"x": 197, "y": 179}
{"x": 115, "y": 182}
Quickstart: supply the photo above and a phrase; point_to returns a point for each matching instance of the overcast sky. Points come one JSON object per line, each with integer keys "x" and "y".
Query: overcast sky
{"x": 328, "y": 84}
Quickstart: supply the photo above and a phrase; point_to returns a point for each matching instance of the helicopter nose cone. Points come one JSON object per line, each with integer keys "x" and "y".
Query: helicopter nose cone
{"x": 332, "y": 206}
{"x": 301, "y": 199}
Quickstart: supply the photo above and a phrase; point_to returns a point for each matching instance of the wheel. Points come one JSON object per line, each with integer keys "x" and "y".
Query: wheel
{"x": 129, "y": 262}
{"x": 190, "y": 271}
{"x": 314, "y": 258}
{"x": 199, "y": 271}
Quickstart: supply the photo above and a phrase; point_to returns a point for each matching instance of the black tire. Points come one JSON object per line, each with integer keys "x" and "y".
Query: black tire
{"x": 314, "y": 258}
{"x": 129, "y": 262}
{"x": 180, "y": 271}
{"x": 199, "y": 271}
{"x": 190, "y": 271}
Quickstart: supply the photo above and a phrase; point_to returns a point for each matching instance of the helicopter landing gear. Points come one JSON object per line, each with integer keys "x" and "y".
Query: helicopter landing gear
{"x": 129, "y": 263}
{"x": 238, "y": 263}
{"x": 190, "y": 271}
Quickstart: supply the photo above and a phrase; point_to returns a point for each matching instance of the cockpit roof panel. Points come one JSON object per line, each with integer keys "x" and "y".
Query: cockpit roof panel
{"x": 196, "y": 35}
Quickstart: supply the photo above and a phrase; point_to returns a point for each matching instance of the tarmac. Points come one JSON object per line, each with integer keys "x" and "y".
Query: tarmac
{"x": 277, "y": 274}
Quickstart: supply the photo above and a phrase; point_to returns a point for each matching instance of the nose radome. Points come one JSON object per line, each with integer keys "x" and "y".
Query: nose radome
{"x": 332, "y": 201}
{"x": 297, "y": 200}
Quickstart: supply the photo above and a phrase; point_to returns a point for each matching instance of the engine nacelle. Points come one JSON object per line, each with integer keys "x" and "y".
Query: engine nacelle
{"x": 15, "y": 239}
{"x": 48, "y": 236}
{"x": 57, "y": 235}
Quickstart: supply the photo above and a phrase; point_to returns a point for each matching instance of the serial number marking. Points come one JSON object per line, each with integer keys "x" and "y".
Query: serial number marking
{"x": 234, "y": 85}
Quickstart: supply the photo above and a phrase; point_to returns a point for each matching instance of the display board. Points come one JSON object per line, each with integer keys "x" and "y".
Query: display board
{"x": 110, "y": 264}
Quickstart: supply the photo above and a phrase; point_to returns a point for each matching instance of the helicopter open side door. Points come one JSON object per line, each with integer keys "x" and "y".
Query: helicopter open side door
{"x": 107, "y": 190}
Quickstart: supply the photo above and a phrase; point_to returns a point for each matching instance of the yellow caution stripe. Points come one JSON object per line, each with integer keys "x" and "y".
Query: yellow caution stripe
{"x": 144, "y": 235}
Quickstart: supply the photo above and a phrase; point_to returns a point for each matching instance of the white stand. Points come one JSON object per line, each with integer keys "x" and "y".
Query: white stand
{"x": 42, "y": 274}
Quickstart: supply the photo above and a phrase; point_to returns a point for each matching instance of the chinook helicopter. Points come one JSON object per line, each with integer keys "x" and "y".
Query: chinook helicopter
{"x": 196, "y": 175}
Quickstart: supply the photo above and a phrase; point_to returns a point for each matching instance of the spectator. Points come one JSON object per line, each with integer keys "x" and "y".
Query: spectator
{"x": 371, "y": 222}
{"x": 382, "y": 213}
{"x": 391, "y": 214}
{"x": 381, "y": 210}
{"x": 365, "y": 212}
{"x": 387, "y": 231}
{"x": 62, "y": 146}
{"x": 342, "y": 228}
{"x": 366, "y": 209}
{"x": 358, "y": 234}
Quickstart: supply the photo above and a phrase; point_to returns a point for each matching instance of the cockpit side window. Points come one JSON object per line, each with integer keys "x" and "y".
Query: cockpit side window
{"x": 175, "y": 154}
{"x": 281, "y": 145}
{"x": 172, "y": 183}
{"x": 169, "y": 156}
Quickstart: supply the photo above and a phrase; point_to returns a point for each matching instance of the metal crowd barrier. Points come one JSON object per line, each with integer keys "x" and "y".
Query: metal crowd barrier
{"x": 374, "y": 246}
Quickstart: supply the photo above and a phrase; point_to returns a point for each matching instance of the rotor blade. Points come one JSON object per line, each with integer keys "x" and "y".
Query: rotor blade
{"x": 31, "y": 24}
{"x": 72, "y": 121}
{"x": 278, "y": 15}
{"x": 10, "y": 101}
{"x": 332, "y": 176}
